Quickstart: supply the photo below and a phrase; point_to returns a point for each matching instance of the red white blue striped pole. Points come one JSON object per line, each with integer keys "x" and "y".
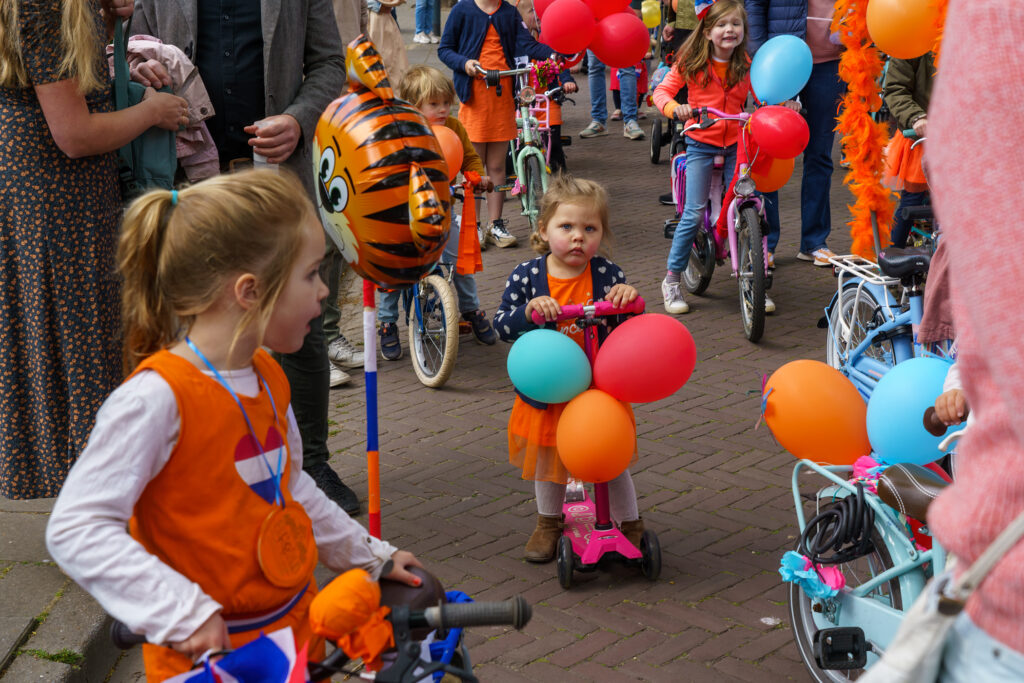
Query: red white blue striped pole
{"x": 372, "y": 436}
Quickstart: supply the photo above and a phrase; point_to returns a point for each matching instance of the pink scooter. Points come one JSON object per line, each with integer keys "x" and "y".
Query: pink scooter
{"x": 589, "y": 533}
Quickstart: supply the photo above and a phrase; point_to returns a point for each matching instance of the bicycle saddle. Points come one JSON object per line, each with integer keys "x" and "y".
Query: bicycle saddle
{"x": 910, "y": 489}
{"x": 903, "y": 262}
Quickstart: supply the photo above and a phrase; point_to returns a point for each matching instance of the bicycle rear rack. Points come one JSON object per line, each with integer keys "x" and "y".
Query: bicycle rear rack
{"x": 866, "y": 269}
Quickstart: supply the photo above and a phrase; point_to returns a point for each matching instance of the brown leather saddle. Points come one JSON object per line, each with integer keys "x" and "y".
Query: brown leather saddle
{"x": 910, "y": 489}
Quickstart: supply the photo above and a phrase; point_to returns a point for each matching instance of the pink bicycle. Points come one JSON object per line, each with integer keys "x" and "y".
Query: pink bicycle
{"x": 590, "y": 535}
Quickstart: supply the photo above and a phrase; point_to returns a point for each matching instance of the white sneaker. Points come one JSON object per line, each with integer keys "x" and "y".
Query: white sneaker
{"x": 818, "y": 257}
{"x": 481, "y": 234}
{"x": 342, "y": 353}
{"x": 431, "y": 38}
{"x": 339, "y": 376}
{"x": 500, "y": 234}
{"x": 769, "y": 305}
{"x": 674, "y": 302}
{"x": 420, "y": 38}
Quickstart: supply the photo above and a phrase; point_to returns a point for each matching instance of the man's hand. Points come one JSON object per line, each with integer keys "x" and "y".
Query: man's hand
{"x": 212, "y": 635}
{"x": 276, "y": 137}
{"x": 402, "y": 560}
{"x": 115, "y": 10}
{"x": 152, "y": 74}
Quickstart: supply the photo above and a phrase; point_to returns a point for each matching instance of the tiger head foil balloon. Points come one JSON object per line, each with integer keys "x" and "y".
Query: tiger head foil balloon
{"x": 381, "y": 178}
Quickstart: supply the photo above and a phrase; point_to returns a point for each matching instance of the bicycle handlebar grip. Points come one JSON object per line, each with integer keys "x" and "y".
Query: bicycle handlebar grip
{"x": 600, "y": 308}
{"x": 909, "y": 133}
{"x": 123, "y": 638}
{"x": 515, "y": 613}
{"x": 932, "y": 423}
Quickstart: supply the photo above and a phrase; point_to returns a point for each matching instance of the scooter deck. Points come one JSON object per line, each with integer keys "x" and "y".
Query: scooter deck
{"x": 588, "y": 544}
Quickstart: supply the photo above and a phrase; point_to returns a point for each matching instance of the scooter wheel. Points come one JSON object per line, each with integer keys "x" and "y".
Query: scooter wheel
{"x": 650, "y": 552}
{"x": 565, "y": 561}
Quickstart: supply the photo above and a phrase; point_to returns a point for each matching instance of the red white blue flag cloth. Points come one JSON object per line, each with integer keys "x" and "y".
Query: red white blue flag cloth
{"x": 701, "y": 7}
{"x": 268, "y": 659}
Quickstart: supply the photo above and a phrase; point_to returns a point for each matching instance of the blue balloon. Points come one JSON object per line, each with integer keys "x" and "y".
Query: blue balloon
{"x": 548, "y": 366}
{"x": 896, "y": 410}
{"x": 780, "y": 69}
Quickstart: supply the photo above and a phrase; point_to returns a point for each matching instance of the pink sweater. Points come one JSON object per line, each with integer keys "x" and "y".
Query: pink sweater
{"x": 982, "y": 56}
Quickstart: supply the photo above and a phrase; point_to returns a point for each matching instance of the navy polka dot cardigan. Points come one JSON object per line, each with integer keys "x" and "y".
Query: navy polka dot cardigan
{"x": 530, "y": 280}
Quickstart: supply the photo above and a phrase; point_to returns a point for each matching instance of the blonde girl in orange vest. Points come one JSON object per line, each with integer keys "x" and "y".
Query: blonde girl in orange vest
{"x": 198, "y": 454}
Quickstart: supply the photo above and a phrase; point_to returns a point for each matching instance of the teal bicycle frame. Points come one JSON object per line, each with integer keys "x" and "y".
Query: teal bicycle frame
{"x": 861, "y": 605}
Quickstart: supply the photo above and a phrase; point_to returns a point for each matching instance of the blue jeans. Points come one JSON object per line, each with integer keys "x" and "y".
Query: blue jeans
{"x": 700, "y": 162}
{"x": 901, "y": 226}
{"x": 425, "y": 16}
{"x": 627, "y": 93}
{"x": 465, "y": 285}
{"x": 973, "y": 656}
{"x": 820, "y": 97}
{"x": 598, "y": 96}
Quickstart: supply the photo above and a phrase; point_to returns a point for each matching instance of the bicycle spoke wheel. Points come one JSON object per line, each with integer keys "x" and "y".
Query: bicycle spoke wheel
{"x": 701, "y": 265}
{"x": 850, "y": 322}
{"x": 806, "y": 622}
{"x": 751, "y": 276}
{"x": 532, "y": 189}
{"x": 434, "y": 331}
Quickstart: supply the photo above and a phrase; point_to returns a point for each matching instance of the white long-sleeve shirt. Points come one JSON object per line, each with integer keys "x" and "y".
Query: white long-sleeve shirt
{"x": 136, "y": 432}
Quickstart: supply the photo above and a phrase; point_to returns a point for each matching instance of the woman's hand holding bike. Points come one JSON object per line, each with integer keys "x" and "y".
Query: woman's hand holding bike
{"x": 473, "y": 68}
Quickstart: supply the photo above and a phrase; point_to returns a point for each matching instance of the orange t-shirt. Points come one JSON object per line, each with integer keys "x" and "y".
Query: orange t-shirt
{"x": 721, "y": 69}
{"x": 578, "y": 290}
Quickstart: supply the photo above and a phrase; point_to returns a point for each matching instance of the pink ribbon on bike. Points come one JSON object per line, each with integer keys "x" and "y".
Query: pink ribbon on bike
{"x": 469, "y": 260}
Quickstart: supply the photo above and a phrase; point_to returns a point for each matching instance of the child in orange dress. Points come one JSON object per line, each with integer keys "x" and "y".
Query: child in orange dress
{"x": 573, "y": 220}
{"x": 488, "y": 34}
{"x": 188, "y": 515}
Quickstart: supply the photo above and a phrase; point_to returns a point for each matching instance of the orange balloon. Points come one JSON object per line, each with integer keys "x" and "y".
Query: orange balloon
{"x": 816, "y": 413}
{"x": 596, "y": 436}
{"x": 451, "y": 147}
{"x": 775, "y": 176}
{"x": 904, "y": 29}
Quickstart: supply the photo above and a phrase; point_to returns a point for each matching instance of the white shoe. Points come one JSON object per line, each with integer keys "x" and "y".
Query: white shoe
{"x": 818, "y": 257}
{"x": 339, "y": 376}
{"x": 674, "y": 302}
{"x": 481, "y": 234}
{"x": 342, "y": 353}
{"x": 431, "y": 38}
{"x": 500, "y": 234}
{"x": 769, "y": 305}
{"x": 420, "y": 38}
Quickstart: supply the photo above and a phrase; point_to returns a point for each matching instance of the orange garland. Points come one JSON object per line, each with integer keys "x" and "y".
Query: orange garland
{"x": 864, "y": 141}
{"x": 940, "y": 22}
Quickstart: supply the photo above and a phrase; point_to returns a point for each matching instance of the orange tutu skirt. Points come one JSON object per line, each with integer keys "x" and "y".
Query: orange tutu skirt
{"x": 531, "y": 441}
{"x": 903, "y": 170}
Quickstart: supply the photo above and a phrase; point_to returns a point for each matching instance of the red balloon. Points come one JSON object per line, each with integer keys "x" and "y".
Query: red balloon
{"x": 451, "y": 147}
{"x": 541, "y": 6}
{"x": 621, "y": 40}
{"x": 602, "y": 8}
{"x": 568, "y": 26}
{"x": 646, "y": 358}
{"x": 779, "y": 131}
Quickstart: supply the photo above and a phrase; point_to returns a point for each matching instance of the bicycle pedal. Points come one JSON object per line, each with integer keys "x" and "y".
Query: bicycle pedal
{"x": 566, "y": 140}
{"x": 670, "y": 227}
{"x": 465, "y": 327}
{"x": 840, "y": 649}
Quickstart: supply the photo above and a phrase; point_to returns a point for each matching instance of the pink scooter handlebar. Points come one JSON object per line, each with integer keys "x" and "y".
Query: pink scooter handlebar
{"x": 598, "y": 308}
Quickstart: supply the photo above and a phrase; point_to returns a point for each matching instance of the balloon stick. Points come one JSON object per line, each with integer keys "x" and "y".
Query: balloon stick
{"x": 370, "y": 370}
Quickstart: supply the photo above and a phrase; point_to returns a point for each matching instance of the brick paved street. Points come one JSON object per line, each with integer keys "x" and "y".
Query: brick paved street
{"x": 715, "y": 490}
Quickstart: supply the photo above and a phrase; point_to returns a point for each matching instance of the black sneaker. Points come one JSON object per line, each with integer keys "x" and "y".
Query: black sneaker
{"x": 390, "y": 346}
{"x": 666, "y": 199}
{"x": 328, "y": 481}
{"x": 482, "y": 329}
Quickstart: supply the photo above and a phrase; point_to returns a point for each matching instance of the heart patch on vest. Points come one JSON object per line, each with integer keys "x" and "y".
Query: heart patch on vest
{"x": 256, "y": 463}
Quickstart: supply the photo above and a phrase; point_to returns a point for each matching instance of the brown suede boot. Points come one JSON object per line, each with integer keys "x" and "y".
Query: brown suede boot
{"x": 633, "y": 530}
{"x": 544, "y": 540}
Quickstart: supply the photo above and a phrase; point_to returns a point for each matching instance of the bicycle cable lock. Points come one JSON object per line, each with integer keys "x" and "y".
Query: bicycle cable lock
{"x": 844, "y": 529}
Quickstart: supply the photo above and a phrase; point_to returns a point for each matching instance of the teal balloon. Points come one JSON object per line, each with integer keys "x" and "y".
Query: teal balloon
{"x": 780, "y": 69}
{"x": 896, "y": 411}
{"x": 548, "y": 366}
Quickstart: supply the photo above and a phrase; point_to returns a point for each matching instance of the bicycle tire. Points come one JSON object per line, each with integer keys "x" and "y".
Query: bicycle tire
{"x": 850, "y": 322}
{"x": 701, "y": 265}
{"x": 656, "y": 129}
{"x": 433, "y": 324}
{"x": 751, "y": 276}
{"x": 532, "y": 189}
{"x": 801, "y": 613}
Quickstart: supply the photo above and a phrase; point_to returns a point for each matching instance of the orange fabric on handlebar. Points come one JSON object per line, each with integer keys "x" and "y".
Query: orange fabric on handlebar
{"x": 469, "y": 260}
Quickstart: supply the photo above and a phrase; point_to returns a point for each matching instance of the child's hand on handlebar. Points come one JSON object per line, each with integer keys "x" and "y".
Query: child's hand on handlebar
{"x": 402, "y": 560}
{"x": 486, "y": 184}
{"x": 212, "y": 635}
{"x": 546, "y": 306}
{"x": 950, "y": 407}
{"x": 473, "y": 68}
{"x": 682, "y": 112}
{"x": 621, "y": 294}
{"x": 569, "y": 87}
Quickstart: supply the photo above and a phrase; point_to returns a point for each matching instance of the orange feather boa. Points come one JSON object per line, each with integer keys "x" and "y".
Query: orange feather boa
{"x": 864, "y": 141}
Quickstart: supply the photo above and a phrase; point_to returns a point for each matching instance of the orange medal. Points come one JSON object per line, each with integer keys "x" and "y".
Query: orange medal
{"x": 286, "y": 549}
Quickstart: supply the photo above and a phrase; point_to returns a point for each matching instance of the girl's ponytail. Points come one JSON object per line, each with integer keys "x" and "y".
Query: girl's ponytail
{"x": 149, "y": 321}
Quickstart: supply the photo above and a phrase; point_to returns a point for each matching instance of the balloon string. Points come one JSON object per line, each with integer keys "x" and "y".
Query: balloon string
{"x": 764, "y": 399}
